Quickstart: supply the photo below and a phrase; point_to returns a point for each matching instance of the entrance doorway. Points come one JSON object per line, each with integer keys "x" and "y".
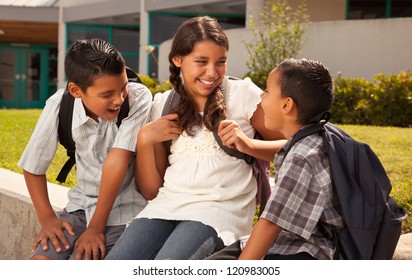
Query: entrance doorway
{"x": 24, "y": 76}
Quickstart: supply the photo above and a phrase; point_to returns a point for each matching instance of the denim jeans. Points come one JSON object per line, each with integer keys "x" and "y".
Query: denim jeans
{"x": 146, "y": 239}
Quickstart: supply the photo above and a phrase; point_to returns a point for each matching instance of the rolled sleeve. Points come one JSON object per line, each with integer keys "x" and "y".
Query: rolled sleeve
{"x": 42, "y": 146}
{"x": 140, "y": 100}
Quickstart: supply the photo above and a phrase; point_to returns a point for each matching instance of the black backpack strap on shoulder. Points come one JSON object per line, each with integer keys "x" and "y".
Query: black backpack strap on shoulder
{"x": 65, "y": 133}
{"x": 124, "y": 109}
{"x": 317, "y": 127}
{"x": 132, "y": 76}
{"x": 172, "y": 100}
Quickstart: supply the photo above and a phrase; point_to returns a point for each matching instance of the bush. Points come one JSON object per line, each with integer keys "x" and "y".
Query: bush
{"x": 154, "y": 86}
{"x": 385, "y": 101}
{"x": 349, "y": 106}
{"x": 391, "y": 100}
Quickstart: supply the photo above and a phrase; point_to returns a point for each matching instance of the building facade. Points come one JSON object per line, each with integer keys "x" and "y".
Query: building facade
{"x": 353, "y": 37}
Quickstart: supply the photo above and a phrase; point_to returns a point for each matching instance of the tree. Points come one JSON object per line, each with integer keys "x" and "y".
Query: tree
{"x": 277, "y": 36}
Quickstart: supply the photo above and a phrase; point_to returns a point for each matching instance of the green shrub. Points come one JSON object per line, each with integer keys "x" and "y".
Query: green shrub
{"x": 385, "y": 101}
{"x": 153, "y": 85}
{"x": 391, "y": 100}
{"x": 349, "y": 106}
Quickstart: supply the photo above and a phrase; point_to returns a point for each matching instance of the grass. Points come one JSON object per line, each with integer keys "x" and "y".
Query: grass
{"x": 16, "y": 127}
{"x": 392, "y": 145}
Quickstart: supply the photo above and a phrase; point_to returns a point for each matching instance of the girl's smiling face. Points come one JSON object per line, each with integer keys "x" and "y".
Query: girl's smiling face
{"x": 202, "y": 70}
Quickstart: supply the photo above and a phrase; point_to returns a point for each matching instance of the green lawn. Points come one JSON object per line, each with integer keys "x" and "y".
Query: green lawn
{"x": 392, "y": 145}
{"x": 16, "y": 127}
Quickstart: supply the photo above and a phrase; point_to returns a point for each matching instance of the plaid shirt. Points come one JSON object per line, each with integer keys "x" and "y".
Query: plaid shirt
{"x": 303, "y": 196}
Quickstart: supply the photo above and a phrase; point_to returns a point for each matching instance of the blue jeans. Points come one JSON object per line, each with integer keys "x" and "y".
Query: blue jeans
{"x": 146, "y": 239}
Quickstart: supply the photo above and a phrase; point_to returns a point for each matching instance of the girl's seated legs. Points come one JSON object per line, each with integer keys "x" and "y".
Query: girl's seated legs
{"x": 190, "y": 241}
{"x": 146, "y": 239}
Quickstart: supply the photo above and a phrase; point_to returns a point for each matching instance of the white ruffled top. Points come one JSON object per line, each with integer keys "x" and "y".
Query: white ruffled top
{"x": 205, "y": 184}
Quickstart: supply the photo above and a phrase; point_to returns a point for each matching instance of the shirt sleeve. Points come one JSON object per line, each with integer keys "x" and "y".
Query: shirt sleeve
{"x": 140, "y": 100}
{"x": 297, "y": 199}
{"x": 42, "y": 146}
{"x": 158, "y": 104}
{"x": 242, "y": 100}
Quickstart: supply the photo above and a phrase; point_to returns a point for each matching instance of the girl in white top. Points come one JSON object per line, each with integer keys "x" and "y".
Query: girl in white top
{"x": 200, "y": 198}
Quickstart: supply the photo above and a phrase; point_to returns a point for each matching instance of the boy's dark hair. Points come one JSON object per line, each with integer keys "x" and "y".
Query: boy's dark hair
{"x": 191, "y": 32}
{"x": 309, "y": 84}
{"x": 88, "y": 59}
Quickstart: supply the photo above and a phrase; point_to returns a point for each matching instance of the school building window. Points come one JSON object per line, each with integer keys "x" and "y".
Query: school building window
{"x": 163, "y": 25}
{"x": 124, "y": 38}
{"x": 369, "y": 9}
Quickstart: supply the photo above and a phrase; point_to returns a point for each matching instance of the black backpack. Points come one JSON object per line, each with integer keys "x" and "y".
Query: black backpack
{"x": 373, "y": 219}
{"x": 65, "y": 124}
{"x": 260, "y": 167}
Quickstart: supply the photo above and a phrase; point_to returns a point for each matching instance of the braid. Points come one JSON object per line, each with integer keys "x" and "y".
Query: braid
{"x": 215, "y": 109}
{"x": 188, "y": 117}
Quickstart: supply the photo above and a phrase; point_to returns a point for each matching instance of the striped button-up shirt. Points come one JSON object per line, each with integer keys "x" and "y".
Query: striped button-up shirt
{"x": 93, "y": 142}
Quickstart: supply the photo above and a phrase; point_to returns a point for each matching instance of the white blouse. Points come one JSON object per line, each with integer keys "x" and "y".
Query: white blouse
{"x": 205, "y": 184}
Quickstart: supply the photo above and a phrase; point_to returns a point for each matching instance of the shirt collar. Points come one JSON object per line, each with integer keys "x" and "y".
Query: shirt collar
{"x": 79, "y": 113}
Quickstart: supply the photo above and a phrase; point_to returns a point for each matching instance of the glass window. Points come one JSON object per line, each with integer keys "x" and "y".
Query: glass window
{"x": 33, "y": 76}
{"x": 163, "y": 26}
{"x": 365, "y": 9}
{"x": 7, "y": 64}
{"x": 124, "y": 38}
{"x": 401, "y": 8}
{"x": 76, "y": 32}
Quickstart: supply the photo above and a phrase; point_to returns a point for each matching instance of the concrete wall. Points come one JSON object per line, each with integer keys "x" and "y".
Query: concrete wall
{"x": 19, "y": 224}
{"x": 355, "y": 48}
{"x": 361, "y": 48}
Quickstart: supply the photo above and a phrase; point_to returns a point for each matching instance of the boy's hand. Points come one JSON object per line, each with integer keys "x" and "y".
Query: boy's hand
{"x": 232, "y": 135}
{"x": 52, "y": 228}
{"x": 90, "y": 245}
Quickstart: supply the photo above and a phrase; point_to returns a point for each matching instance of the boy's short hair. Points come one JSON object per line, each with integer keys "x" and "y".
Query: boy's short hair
{"x": 88, "y": 59}
{"x": 310, "y": 85}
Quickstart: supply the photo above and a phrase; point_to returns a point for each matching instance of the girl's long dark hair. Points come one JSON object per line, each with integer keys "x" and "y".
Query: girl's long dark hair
{"x": 189, "y": 33}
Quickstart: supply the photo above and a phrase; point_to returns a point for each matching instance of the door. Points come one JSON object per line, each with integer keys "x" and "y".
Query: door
{"x": 23, "y": 77}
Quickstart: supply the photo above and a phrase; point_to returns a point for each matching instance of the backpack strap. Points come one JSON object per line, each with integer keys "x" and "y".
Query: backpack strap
{"x": 65, "y": 133}
{"x": 132, "y": 76}
{"x": 172, "y": 100}
{"x": 317, "y": 127}
{"x": 66, "y": 119}
{"x": 232, "y": 152}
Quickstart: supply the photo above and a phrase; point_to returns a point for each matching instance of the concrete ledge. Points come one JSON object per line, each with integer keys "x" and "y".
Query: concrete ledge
{"x": 404, "y": 248}
{"x": 19, "y": 224}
